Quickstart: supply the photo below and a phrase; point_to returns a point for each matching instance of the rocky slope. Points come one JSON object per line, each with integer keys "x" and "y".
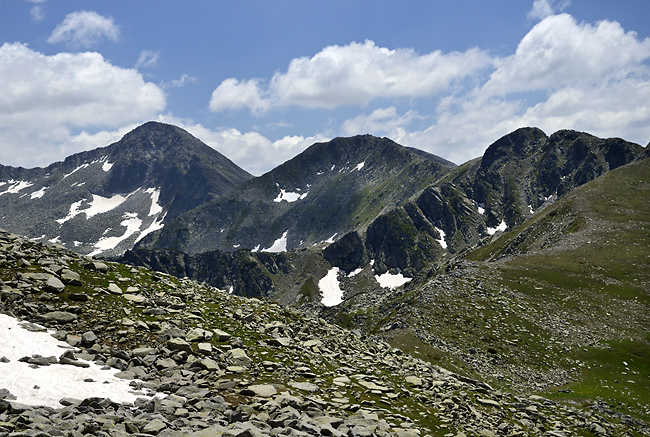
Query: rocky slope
{"x": 232, "y": 366}
{"x": 104, "y": 200}
{"x": 558, "y": 305}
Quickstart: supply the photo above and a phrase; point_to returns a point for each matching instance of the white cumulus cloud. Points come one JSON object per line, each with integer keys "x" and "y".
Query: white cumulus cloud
{"x": 380, "y": 121}
{"x": 84, "y": 29}
{"x": 252, "y": 151}
{"x": 559, "y": 52}
{"x": 355, "y": 74}
{"x": 235, "y": 94}
{"x": 44, "y": 98}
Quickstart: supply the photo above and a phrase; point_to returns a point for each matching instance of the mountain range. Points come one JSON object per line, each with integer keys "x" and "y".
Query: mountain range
{"x": 526, "y": 267}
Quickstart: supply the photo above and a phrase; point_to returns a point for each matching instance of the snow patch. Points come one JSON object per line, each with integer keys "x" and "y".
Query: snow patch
{"x": 132, "y": 224}
{"x": 74, "y": 211}
{"x": 75, "y": 170}
{"x": 38, "y": 194}
{"x": 355, "y": 272}
{"x": 442, "y": 240}
{"x": 156, "y": 208}
{"x": 280, "y": 245}
{"x": 391, "y": 281}
{"x": 16, "y": 186}
{"x": 530, "y": 208}
{"x": 56, "y": 381}
{"x": 106, "y": 166}
{"x": 502, "y": 227}
{"x": 289, "y": 196}
{"x": 330, "y": 240}
{"x": 329, "y": 286}
{"x": 359, "y": 166}
{"x": 154, "y": 226}
{"x": 100, "y": 205}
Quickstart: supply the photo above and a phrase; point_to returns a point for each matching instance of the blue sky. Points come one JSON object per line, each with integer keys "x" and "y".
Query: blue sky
{"x": 262, "y": 80}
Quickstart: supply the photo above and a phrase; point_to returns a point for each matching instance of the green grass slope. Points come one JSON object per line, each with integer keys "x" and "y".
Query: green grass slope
{"x": 559, "y": 305}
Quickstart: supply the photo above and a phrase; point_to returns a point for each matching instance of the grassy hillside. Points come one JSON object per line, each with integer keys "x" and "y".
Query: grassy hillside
{"x": 560, "y": 305}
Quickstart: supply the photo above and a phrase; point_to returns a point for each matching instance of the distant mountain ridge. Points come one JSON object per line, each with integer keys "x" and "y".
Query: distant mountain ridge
{"x": 329, "y": 189}
{"x": 424, "y": 221}
{"x": 357, "y": 204}
{"x": 102, "y": 201}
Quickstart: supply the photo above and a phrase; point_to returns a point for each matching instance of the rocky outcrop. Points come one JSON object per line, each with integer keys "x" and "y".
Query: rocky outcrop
{"x": 346, "y": 253}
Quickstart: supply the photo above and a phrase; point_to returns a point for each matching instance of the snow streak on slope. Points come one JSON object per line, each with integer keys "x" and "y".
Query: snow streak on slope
{"x": 502, "y": 227}
{"x": 132, "y": 224}
{"x": 329, "y": 286}
{"x": 98, "y": 205}
{"x": 280, "y": 245}
{"x": 289, "y": 196}
{"x": 443, "y": 236}
{"x": 16, "y": 186}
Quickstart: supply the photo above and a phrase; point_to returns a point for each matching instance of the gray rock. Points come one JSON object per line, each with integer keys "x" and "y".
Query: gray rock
{"x": 96, "y": 265}
{"x": 78, "y": 297}
{"x": 135, "y": 298}
{"x": 306, "y": 386}
{"x": 221, "y": 335}
{"x": 198, "y": 334}
{"x": 59, "y": 317}
{"x": 142, "y": 351}
{"x": 70, "y": 277}
{"x": 178, "y": 344}
{"x": 238, "y": 357}
{"x": 113, "y": 288}
{"x": 262, "y": 390}
{"x": 54, "y": 285}
{"x": 209, "y": 364}
{"x": 88, "y": 338}
{"x": 154, "y": 427}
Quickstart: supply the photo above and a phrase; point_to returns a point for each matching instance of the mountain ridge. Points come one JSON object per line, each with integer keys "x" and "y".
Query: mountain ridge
{"x": 326, "y": 190}
{"x": 124, "y": 190}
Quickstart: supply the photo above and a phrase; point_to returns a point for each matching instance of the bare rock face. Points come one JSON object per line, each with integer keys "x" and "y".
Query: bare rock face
{"x": 347, "y": 252}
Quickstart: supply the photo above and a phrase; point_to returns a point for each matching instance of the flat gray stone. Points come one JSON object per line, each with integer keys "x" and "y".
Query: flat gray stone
{"x": 60, "y": 317}
{"x": 54, "y": 284}
{"x": 262, "y": 390}
{"x": 113, "y": 288}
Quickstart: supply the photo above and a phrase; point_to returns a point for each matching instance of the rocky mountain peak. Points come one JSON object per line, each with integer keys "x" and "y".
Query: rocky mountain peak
{"x": 518, "y": 144}
{"x": 104, "y": 200}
